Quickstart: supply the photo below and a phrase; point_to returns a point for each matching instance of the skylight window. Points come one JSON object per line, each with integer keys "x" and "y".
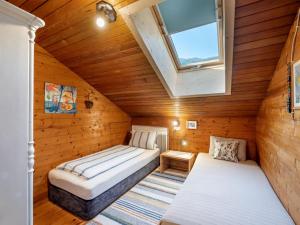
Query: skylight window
{"x": 197, "y": 45}
{"x": 192, "y": 31}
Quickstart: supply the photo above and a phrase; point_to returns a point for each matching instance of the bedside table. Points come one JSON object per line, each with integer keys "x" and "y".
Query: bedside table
{"x": 177, "y": 160}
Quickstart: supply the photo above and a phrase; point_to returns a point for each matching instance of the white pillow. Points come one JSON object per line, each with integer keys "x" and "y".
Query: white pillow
{"x": 143, "y": 139}
{"x": 242, "y": 154}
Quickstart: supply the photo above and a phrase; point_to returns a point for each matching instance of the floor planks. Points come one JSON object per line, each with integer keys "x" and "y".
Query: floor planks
{"x": 47, "y": 213}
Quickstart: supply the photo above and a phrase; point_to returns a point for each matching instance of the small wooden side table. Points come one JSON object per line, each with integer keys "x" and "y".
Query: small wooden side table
{"x": 177, "y": 160}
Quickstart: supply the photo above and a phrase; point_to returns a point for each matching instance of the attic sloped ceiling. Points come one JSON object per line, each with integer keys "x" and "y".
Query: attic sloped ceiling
{"x": 111, "y": 60}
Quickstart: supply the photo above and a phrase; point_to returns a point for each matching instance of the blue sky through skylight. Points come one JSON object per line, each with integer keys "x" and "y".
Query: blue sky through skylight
{"x": 197, "y": 44}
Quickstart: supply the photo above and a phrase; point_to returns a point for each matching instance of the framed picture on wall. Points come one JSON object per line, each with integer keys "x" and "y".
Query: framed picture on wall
{"x": 60, "y": 98}
{"x": 296, "y": 85}
{"x": 191, "y": 124}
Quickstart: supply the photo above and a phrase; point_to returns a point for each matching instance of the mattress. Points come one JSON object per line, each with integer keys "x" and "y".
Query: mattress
{"x": 88, "y": 189}
{"x": 220, "y": 192}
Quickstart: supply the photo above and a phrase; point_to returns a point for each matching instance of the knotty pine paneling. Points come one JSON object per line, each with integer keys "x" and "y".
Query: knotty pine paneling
{"x": 111, "y": 61}
{"x": 198, "y": 140}
{"x": 278, "y": 137}
{"x": 62, "y": 137}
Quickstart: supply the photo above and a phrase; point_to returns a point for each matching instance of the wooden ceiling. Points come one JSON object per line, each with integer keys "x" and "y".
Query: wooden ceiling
{"x": 111, "y": 60}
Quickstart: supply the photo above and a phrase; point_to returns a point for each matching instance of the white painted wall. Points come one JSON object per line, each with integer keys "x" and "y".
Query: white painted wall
{"x": 149, "y": 32}
{"x": 15, "y": 67}
{"x": 201, "y": 82}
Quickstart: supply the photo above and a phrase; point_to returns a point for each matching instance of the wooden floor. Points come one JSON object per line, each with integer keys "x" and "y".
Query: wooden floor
{"x": 47, "y": 213}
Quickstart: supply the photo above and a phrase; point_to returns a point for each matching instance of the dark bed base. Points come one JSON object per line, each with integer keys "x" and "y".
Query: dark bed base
{"x": 88, "y": 209}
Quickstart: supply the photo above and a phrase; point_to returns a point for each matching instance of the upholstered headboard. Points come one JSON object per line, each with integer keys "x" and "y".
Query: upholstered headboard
{"x": 162, "y": 135}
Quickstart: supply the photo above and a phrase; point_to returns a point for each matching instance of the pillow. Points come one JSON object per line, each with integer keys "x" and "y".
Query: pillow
{"x": 242, "y": 154}
{"x": 143, "y": 139}
{"x": 226, "y": 150}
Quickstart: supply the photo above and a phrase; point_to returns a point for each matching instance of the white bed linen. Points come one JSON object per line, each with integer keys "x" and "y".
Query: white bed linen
{"x": 89, "y": 189}
{"x": 218, "y": 192}
{"x": 94, "y": 165}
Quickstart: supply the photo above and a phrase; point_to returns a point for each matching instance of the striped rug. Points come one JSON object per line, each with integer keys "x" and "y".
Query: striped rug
{"x": 145, "y": 203}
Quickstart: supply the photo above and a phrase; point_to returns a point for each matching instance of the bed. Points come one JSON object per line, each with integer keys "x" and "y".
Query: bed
{"x": 221, "y": 192}
{"x": 85, "y": 189}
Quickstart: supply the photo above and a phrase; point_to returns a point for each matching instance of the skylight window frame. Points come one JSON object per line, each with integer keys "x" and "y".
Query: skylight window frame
{"x": 171, "y": 47}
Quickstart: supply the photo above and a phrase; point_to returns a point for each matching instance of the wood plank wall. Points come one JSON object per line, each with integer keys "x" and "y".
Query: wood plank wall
{"x": 278, "y": 137}
{"x": 63, "y": 137}
{"x": 198, "y": 140}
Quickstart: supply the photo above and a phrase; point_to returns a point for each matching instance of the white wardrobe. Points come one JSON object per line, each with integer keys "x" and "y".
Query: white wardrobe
{"x": 17, "y": 34}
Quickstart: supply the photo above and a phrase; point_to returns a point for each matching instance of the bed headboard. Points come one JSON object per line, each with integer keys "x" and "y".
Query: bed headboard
{"x": 161, "y": 138}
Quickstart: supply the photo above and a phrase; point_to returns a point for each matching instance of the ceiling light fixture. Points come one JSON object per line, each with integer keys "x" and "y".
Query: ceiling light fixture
{"x": 100, "y": 22}
{"x": 105, "y": 13}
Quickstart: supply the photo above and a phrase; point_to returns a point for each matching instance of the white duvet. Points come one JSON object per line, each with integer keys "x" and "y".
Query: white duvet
{"x": 96, "y": 164}
{"x": 218, "y": 192}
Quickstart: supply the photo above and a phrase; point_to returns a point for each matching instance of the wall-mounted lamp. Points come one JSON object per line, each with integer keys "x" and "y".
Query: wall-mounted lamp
{"x": 184, "y": 142}
{"x": 105, "y": 12}
{"x": 89, "y": 103}
{"x": 177, "y": 128}
{"x": 175, "y": 123}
